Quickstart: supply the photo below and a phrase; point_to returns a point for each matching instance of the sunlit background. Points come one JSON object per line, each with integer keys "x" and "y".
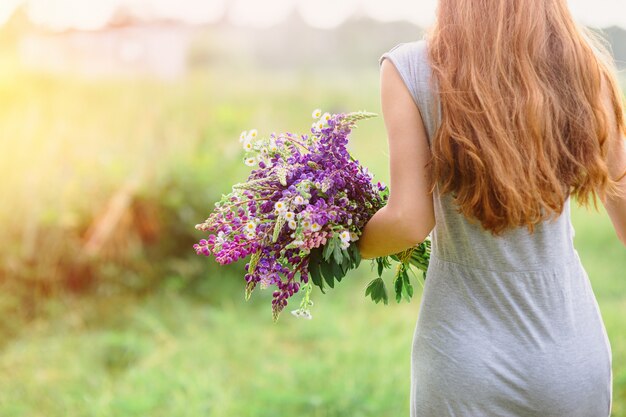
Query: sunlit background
{"x": 90, "y": 15}
{"x": 119, "y": 127}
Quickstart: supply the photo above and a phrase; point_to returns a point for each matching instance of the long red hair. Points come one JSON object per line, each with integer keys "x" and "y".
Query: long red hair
{"x": 523, "y": 123}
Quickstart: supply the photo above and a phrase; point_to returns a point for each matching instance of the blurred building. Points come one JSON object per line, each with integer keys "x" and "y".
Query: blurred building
{"x": 147, "y": 49}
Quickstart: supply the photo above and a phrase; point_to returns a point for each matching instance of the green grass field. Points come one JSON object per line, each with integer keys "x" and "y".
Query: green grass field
{"x": 195, "y": 347}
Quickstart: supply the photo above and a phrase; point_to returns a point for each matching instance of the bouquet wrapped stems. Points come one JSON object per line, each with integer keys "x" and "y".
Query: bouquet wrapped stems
{"x": 299, "y": 214}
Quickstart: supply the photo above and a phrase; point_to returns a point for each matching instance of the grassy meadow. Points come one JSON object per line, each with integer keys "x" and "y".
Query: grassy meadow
{"x": 135, "y": 324}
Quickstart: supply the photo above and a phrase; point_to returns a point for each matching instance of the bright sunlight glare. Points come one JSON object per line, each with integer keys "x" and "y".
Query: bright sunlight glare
{"x": 258, "y": 13}
{"x": 326, "y": 14}
{"x": 6, "y": 9}
{"x": 81, "y": 14}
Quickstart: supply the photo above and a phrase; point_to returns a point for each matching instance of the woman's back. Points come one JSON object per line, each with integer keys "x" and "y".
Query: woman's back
{"x": 509, "y": 324}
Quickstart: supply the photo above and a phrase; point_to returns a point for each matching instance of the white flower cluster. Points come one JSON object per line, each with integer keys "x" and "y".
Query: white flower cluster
{"x": 303, "y": 311}
{"x": 250, "y": 229}
{"x": 281, "y": 208}
{"x": 249, "y": 142}
{"x": 322, "y": 119}
{"x": 346, "y": 237}
{"x": 306, "y": 314}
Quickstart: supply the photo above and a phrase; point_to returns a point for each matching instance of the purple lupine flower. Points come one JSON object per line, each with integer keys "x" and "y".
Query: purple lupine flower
{"x": 302, "y": 191}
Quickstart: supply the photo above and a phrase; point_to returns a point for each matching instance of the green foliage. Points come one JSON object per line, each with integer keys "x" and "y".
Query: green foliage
{"x": 165, "y": 354}
{"x": 417, "y": 256}
{"x": 163, "y": 332}
{"x": 184, "y": 147}
{"x": 332, "y": 263}
{"x": 376, "y": 289}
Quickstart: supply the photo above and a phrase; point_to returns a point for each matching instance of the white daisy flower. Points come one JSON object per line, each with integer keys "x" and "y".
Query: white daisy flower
{"x": 272, "y": 146}
{"x": 344, "y": 236}
{"x": 306, "y": 224}
{"x": 243, "y": 136}
{"x": 317, "y": 113}
{"x": 344, "y": 245}
{"x": 250, "y": 226}
{"x": 316, "y": 227}
{"x": 280, "y": 206}
{"x": 326, "y": 116}
{"x": 252, "y": 133}
{"x": 353, "y": 236}
{"x": 290, "y": 215}
{"x": 319, "y": 125}
{"x": 292, "y": 224}
{"x": 298, "y": 200}
{"x": 247, "y": 145}
{"x": 250, "y": 161}
{"x": 250, "y": 235}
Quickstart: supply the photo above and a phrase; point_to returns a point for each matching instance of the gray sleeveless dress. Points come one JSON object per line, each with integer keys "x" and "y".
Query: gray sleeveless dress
{"x": 507, "y": 326}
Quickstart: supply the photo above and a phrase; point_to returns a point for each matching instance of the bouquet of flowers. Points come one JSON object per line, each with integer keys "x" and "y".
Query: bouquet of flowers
{"x": 299, "y": 214}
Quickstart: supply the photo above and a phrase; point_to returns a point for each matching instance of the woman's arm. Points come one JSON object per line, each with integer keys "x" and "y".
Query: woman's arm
{"x": 408, "y": 217}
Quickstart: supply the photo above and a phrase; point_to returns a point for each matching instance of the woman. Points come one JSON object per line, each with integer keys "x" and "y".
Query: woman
{"x": 505, "y": 110}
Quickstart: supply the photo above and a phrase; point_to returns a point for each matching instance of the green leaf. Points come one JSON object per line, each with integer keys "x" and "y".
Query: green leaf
{"x": 327, "y": 273}
{"x": 338, "y": 272}
{"x": 337, "y": 255}
{"x": 419, "y": 264}
{"x": 405, "y": 276}
{"x": 351, "y": 254}
{"x": 314, "y": 268}
{"x": 377, "y": 291}
{"x": 346, "y": 262}
{"x": 356, "y": 254}
{"x": 329, "y": 248}
{"x": 398, "y": 287}
{"x": 379, "y": 261}
{"x": 316, "y": 277}
{"x": 407, "y": 288}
